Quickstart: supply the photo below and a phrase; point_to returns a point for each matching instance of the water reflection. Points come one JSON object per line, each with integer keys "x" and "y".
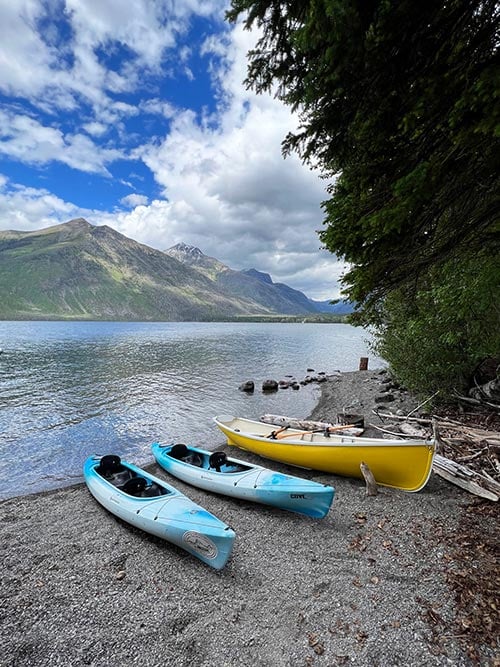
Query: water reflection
{"x": 71, "y": 389}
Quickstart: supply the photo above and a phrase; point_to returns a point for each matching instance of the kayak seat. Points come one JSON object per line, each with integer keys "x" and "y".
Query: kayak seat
{"x": 109, "y": 464}
{"x": 182, "y": 453}
{"x": 216, "y": 460}
{"x": 135, "y": 486}
{"x": 111, "y": 468}
{"x": 194, "y": 459}
{"x": 178, "y": 451}
{"x": 153, "y": 490}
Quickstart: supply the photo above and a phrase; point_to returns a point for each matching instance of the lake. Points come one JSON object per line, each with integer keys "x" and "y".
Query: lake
{"x": 71, "y": 389}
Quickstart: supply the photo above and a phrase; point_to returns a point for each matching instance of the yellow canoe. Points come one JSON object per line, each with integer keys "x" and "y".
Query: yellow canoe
{"x": 401, "y": 464}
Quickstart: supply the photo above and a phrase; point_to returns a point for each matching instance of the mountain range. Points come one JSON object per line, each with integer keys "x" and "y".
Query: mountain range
{"x": 79, "y": 271}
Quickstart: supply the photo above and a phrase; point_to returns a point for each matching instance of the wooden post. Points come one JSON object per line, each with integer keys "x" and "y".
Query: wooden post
{"x": 363, "y": 364}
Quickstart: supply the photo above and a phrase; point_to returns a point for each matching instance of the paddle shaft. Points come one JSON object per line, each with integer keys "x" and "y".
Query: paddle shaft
{"x": 330, "y": 429}
{"x": 273, "y": 434}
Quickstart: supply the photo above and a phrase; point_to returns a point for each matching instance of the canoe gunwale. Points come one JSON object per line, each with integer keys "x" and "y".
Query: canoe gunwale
{"x": 399, "y": 464}
{"x": 344, "y": 441}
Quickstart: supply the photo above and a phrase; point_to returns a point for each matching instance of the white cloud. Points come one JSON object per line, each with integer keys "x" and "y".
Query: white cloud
{"x": 41, "y": 63}
{"x": 229, "y": 190}
{"x": 225, "y": 185}
{"x": 95, "y": 129}
{"x": 134, "y": 200}
{"x": 24, "y": 209}
{"x": 25, "y": 139}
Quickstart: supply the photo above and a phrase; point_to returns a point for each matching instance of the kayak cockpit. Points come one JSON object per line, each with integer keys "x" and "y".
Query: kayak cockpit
{"x": 217, "y": 461}
{"x": 113, "y": 471}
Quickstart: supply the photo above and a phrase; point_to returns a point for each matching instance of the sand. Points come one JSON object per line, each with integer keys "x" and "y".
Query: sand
{"x": 362, "y": 587}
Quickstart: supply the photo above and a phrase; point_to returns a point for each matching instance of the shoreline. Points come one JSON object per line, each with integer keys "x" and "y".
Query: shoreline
{"x": 363, "y": 587}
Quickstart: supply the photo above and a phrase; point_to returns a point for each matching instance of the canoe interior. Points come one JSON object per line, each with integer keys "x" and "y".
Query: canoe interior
{"x": 399, "y": 464}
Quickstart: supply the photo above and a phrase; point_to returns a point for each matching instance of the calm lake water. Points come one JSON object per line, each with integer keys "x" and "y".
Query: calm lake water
{"x": 71, "y": 389}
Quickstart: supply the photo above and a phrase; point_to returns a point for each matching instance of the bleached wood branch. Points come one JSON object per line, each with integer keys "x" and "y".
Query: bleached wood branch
{"x": 477, "y": 483}
{"x": 390, "y": 415}
{"x": 397, "y": 434}
{"x": 309, "y": 425}
{"x": 424, "y": 402}
{"x": 476, "y": 401}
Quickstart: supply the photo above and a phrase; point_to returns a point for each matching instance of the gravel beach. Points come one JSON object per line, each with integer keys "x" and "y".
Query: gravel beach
{"x": 366, "y": 586}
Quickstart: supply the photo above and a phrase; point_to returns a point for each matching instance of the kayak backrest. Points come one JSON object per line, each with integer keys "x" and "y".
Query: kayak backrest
{"x": 217, "y": 459}
{"x": 112, "y": 469}
{"x": 109, "y": 464}
{"x": 179, "y": 451}
{"x": 134, "y": 486}
{"x": 182, "y": 453}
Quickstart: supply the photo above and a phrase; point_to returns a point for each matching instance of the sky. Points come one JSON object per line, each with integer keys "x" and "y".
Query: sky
{"x": 134, "y": 114}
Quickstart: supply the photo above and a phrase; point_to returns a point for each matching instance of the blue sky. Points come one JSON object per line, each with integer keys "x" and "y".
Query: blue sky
{"x": 134, "y": 115}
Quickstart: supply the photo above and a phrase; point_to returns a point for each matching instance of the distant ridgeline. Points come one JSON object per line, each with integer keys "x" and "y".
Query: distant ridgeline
{"x": 78, "y": 271}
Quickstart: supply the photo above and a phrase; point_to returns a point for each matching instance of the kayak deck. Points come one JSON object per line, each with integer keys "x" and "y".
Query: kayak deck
{"x": 151, "y": 504}
{"x": 217, "y": 473}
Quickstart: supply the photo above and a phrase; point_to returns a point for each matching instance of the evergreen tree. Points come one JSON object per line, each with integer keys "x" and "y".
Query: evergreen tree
{"x": 399, "y": 106}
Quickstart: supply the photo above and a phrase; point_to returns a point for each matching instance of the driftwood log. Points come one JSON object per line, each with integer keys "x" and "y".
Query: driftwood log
{"x": 457, "y": 443}
{"x": 474, "y": 482}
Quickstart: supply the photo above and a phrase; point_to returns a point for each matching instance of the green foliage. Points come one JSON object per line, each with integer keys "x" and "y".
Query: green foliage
{"x": 399, "y": 107}
{"x": 435, "y": 340}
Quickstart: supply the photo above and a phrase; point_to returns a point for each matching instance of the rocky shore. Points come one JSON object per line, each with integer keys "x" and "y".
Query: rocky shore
{"x": 369, "y": 585}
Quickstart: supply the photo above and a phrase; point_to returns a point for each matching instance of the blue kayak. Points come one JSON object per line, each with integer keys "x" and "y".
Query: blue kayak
{"x": 151, "y": 504}
{"x": 214, "y": 471}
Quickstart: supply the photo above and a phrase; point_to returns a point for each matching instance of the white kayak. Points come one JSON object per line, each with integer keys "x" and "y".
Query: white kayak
{"x": 158, "y": 508}
{"x": 214, "y": 471}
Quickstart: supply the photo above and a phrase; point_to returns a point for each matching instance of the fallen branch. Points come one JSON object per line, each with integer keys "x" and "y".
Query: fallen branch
{"x": 476, "y": 401}
{"x": 390, "y": 415}
{"x": 437, "y": 437}
{"x": 471, "y": 457}
{"x": 424, "y": 402}
{"x": 397, "y": 434}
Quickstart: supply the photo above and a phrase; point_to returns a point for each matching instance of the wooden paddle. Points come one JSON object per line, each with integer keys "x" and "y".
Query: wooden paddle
{"x": 330, "y": 429}
{"x": 273, "y": 435}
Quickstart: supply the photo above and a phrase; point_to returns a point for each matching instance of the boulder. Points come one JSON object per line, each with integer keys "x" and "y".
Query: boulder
{"x": 269, "y": 385}
{"x": 384, "y": 398}
{"x": 247, "y": 386}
